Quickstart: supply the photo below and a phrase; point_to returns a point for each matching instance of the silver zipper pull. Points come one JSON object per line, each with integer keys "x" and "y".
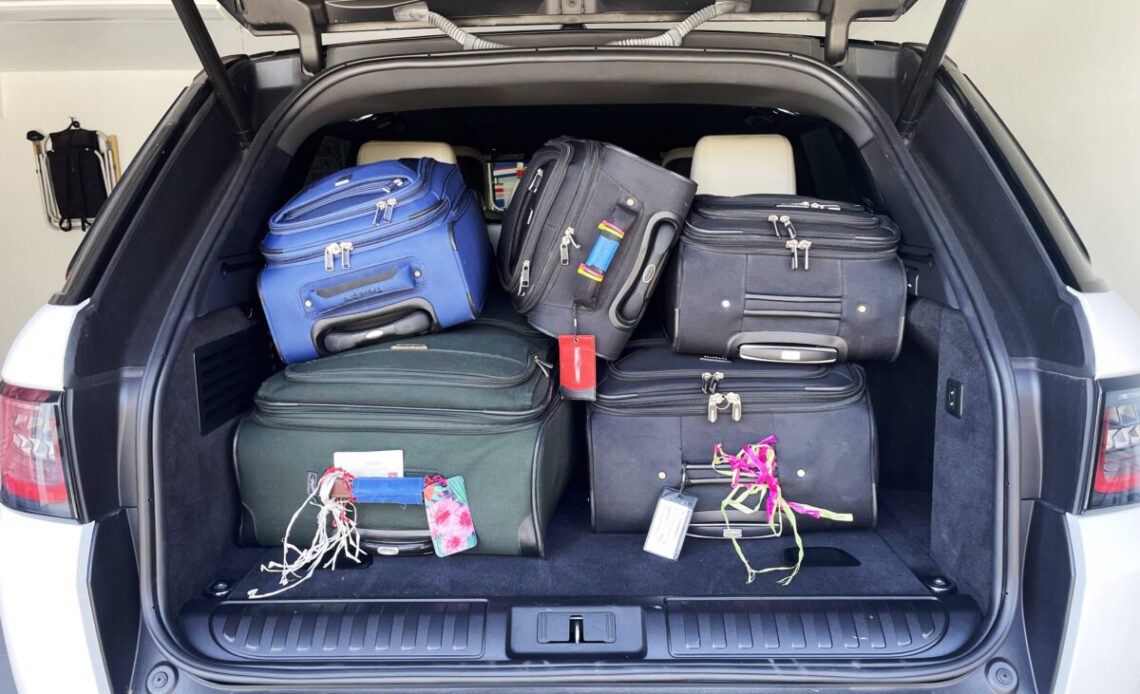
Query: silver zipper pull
{"x": 389, "y": 209}
{"x": 381, "y": 205}
{"x": 787, "y": 222}
{"x": 775, "y": 220}
{"x": 345, "y": 250}
{"x": 737, "y": 406}
{"x": 535, "y": 182}
{"x": 331, "y": 252}
{"x": 706, "y": 377}
{"x": 715, "y": 402}
{"x": 543, "y": 366}
{"x": 398, "y": 182}
{"x": 564, "y": 247}
{"x": 524, "y": 278}
{"x": 717, "y": 377}
{"x": 794, "y": 247}
{"x": 805, "y": 246}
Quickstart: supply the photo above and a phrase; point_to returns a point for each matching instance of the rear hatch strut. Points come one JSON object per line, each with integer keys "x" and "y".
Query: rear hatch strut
{"x": 207, "y": 52}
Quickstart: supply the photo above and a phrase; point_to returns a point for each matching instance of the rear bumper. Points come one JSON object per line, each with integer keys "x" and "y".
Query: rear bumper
{"x": 46, "y": 607}
{"x": 1099, "y": 650}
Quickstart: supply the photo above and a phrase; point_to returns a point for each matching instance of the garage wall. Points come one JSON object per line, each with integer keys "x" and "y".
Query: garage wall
{"x": 34, "y": 255}
{"x": 1066, "y": 85}
{"x": 1064, "y": 88}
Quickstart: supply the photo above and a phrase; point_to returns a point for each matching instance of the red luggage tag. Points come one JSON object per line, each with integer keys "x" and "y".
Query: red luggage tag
{"x": 577, "y": 367}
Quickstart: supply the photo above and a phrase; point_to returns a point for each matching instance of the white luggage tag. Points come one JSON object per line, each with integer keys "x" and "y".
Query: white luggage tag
{"x": 370, "y": 463}
{"x": 670, "y": 523}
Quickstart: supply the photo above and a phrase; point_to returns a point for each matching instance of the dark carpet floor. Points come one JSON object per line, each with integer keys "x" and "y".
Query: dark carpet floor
{"x": 582, "y": 563}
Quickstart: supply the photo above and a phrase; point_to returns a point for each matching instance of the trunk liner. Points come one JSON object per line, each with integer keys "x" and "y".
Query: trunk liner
{"x": 580, "y": 563}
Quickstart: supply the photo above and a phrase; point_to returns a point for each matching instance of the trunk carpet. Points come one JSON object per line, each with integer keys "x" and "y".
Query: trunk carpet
{"x": 581, "y": 563}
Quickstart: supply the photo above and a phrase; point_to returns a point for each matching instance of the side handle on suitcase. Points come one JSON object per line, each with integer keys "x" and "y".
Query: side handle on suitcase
{"x": 412, "y": 323}
{"x": 661, "y": 232}
{"x": 390, "y": 543}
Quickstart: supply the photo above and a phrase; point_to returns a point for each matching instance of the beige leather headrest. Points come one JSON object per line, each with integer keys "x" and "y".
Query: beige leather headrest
{"x": 744, "y": 164}
{"x": 675, "y": 154}
{"x": 380, "y": 150}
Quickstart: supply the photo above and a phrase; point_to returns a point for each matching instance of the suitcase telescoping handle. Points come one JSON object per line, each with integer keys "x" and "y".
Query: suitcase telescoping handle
{"x": 412, "y": 323}
{"x": 662, "y": 231}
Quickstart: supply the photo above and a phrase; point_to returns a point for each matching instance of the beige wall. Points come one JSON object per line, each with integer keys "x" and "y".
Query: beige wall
{"x": 1068, "y": 88}
{"x": 34, "y": 255}
{"x": 1065, "y": 88}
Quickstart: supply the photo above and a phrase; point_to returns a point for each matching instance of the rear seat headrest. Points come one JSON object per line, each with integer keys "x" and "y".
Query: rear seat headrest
{"x": 380, "y": 150}
{"x": 744, "y": 164}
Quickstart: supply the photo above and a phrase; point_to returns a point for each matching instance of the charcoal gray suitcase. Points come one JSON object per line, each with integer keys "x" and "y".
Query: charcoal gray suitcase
{"x": 659, "y": 415}
{"x": 780, "y": 278}
{"x": 478, "y": 401}
{"x": 586, "y": 238}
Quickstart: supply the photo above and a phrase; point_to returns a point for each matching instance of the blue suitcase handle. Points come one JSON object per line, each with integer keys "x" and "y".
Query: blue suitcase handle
{"x": 413, "y": 323}
{"x": 333, "y": 292}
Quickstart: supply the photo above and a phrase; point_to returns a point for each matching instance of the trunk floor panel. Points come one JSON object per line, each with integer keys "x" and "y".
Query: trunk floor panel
{"x": 581, "y": 563}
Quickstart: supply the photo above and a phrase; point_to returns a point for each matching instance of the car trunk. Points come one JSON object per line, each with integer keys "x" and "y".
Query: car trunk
{"x": 922, "y": 584}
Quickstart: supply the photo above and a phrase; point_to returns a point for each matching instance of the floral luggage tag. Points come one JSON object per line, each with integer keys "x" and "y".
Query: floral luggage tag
{"x": 448, "y": 515}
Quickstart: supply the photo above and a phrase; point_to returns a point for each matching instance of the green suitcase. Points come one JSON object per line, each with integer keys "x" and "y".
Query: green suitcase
{"x": 478, "y": 401}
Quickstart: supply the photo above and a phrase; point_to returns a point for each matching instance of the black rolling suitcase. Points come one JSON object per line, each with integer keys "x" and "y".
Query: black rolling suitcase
{"x": 586, "y": 237}
{"x": 780, "y": 278}
{"x": 659, "y": 415}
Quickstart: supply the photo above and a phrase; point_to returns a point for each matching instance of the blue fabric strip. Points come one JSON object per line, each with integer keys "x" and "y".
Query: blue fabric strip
{"x": 388, "y": 490}
{"x": 602, "y": 253}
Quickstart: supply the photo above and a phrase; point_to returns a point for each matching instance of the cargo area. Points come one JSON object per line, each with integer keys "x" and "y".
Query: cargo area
{"x": 920, "y": 584}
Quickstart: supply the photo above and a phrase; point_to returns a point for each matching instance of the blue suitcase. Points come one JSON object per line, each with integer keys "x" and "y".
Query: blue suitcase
{"x": 385, "y": 249}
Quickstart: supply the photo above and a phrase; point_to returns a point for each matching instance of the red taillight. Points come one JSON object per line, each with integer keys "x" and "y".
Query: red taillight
{"x": 32, "y": 473}
{"x": 1117, "y": 476}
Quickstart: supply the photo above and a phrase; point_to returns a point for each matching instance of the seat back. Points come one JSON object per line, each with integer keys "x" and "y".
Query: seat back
{"x": 381, "y": 150}
{"x": 744, "y": 164}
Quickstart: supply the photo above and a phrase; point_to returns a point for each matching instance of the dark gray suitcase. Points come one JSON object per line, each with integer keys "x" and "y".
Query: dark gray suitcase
{"x": 787, "y": 279}
{"x": 574, "y": 194}
{"x": 651, "y": 427}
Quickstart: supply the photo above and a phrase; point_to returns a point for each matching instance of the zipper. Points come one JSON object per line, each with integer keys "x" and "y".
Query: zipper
{"x": 341, "y": 249}
{"x": 530, "y": 241}
{"x": 564, "y": 247}
{"x": 617, "y": 372}
{"x": 586, "y": 186}
{"x": 341, "y": 193}
{"x": 359, "y": 414}
{"x": 674, "y": 403}
{"x": 524, "y": 278}
{"x": 458, "y": 425}
{"x": 780, "y": 202}
{"x": 423, "y": 218}
{"x": 420, "y": 378}
{"x": 863, "y": 220}
{"x": 285, "y": 226}
{"x": 713, "y": 402}
{"x": 820, "y": 239}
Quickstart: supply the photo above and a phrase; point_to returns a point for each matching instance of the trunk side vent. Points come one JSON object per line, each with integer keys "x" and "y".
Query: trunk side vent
{"x": 227, "y": 373}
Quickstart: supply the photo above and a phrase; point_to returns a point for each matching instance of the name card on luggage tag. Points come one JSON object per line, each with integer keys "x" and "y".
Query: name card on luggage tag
{"x": 370, "y": 463}
{"x": 577, "y": 367}
{"x": 670, "y": 523}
